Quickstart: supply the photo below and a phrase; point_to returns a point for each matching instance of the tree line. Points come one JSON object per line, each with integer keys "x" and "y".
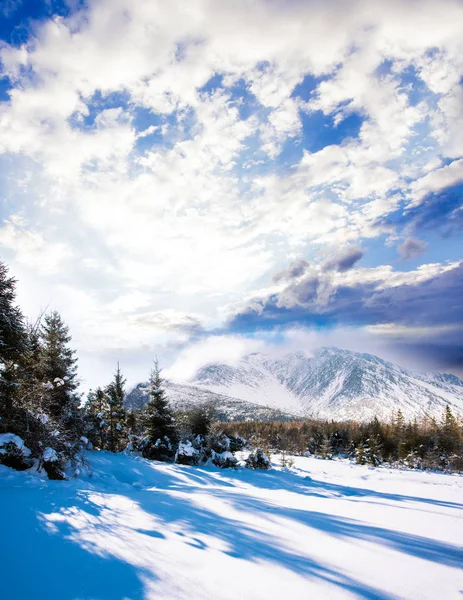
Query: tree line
{"x": 45, "y": 421}
{"x": 426, "y": 443}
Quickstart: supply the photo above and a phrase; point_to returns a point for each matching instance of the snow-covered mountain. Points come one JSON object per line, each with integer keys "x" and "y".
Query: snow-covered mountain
{"x": 333, "y": 384}
{"x": 184, "y": 396}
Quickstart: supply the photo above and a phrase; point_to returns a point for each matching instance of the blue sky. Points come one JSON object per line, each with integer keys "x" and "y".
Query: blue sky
{"x": 202, "y": 180}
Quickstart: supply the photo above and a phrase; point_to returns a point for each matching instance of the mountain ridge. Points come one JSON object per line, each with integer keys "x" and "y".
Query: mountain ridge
{"x": 331, "y": 383}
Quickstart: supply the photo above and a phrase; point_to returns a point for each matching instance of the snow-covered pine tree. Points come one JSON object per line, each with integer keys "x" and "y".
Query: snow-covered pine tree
{"x": 13, "y": 342}
{"x": 373, "y": 449}
{"x": 116, "y": 434}
{"x": 96, "y": 412}
{"x": 160, "y": 430}
{"x": 60, "y": 402}
{"x": 58, "y": 367}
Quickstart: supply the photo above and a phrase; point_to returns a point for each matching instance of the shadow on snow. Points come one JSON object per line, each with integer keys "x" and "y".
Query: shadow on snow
{"x": 60, "y": 563}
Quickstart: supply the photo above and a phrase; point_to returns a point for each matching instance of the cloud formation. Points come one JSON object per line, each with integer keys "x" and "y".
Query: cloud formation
{"x": 164, "y": 164}
{"x": 412, "y": 248}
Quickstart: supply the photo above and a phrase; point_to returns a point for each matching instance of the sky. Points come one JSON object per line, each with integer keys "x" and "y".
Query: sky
{"x": 199, "y": 179}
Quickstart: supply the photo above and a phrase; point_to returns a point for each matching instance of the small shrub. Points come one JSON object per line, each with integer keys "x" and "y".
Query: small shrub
{"x": 257, "y": 459}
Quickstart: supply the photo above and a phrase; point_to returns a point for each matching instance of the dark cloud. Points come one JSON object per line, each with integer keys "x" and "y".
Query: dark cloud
{"x": 295, "y": 270}
{"x": 344, "y": 260}
{"x": 412, "y": 248}
{"x": 301, "y": 293}
{"x": 438, "y": 212}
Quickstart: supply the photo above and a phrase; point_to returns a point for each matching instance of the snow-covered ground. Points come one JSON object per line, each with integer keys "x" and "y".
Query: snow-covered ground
{"x": 139, "y": 529}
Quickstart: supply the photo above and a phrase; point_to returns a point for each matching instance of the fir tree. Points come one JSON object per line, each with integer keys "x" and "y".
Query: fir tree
{"x": 96, "y": 414}
{"x": 160, "y": 432}
{"x": 13, "y": 342}
{"x": 116, "y": 414}
{"x": 60, "y": 402}
{"x": 325, "y": 448}
{"x": 450, "y": 433}
{"x": 201, "y": 419}
{"x": 58, "y": 367}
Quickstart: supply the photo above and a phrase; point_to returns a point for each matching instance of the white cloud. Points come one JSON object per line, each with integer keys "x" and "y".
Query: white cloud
{"x": 176, "y": 225}
{"x": 436, "y": 181}
{"x": 225, "y": 349}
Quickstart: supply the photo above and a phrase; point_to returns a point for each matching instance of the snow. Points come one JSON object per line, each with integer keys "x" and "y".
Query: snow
{"x": 186, "y": 449}
{"x": 139, "y": 529}
{"x": 11, "y": 438}
{"x": 49, "y": 455}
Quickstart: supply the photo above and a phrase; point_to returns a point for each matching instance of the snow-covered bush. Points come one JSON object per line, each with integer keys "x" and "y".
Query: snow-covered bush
{"x": 163, "y": 449}
{"x": 237, "y": 443}
{"x": 224, "y": 460}
{"x": 257, "y": 459}
{"x": 187, "y": 454}
{"x": 53, "y": 464}
{"x": 219, "y": 442}
{"x": 13, "y": 452}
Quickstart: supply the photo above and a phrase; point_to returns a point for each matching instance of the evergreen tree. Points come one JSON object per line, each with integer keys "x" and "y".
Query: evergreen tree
{"x": 160, "y": 431}
{"x": 450, "y": 433}
{"x": 96, "y": 418}
{"x": 201, "y": 419}
{"x": 58, "y": 368}
{"x": 115, "y": 417}
{"x": 400, "y": 435}
{"x": 13, "y": 343}
{"x": 325, "y": 448}
{"x": 60, "y": 402}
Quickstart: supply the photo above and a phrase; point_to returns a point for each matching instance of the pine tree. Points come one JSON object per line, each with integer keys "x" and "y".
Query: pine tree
{"x": 96, "y": 411}
{"x": 325, "y": 448}
{"x": 13, "y": 343}
{"x": 450, "y": 433}
{"x": 201, "y": 419}
{"x": 58, "y": 367}
{"x": 160, "y": 431}
{"x": 117, "y": 436}
{"x": 60, "y": 402}
{"x": 373, "y": 449}
{"x": 399, "y": 434}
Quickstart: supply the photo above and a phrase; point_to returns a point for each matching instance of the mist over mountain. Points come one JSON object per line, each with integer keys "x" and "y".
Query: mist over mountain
{"x": 331, "y": 384}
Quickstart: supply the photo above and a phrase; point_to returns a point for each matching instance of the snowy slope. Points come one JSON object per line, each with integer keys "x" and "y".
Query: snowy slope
{"x": 144, "y": 530}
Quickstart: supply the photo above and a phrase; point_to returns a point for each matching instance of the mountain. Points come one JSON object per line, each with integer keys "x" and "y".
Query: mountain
{"x": 184, "y": 396}
{"x": 330, "y": 384}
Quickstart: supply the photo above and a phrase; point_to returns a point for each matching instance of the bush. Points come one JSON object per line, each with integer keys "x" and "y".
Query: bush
{"x": 52, "y": 464}
{"x": 187, "y": 454}
{"x": 224, "y": 460}
{"x": 257, "y": 459}
{"x": 162, "y": 449}
{"x": 13, "y": 452}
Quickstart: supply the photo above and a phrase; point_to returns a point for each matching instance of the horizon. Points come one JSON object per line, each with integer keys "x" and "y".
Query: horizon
{"x": 201, "y": 180}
